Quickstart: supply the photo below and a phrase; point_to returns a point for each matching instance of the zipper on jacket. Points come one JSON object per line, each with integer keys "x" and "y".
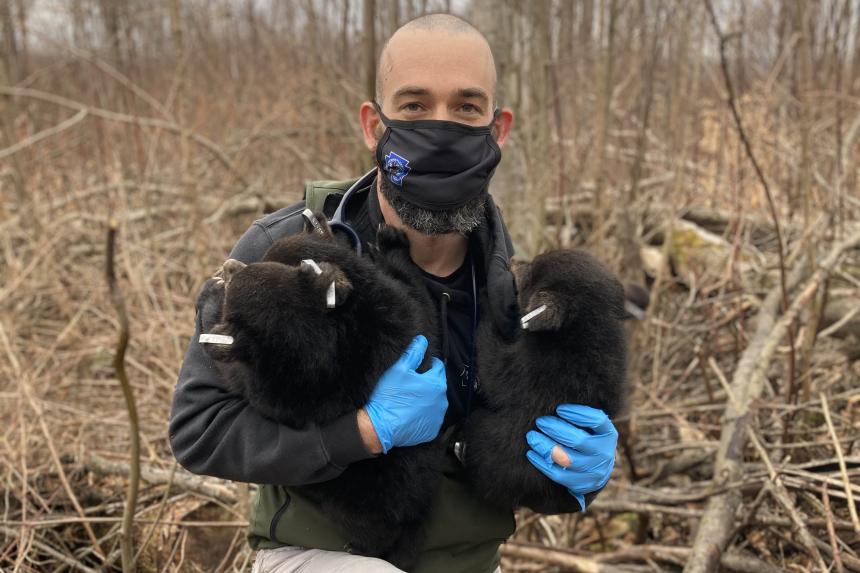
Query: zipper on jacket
{"x": 277, "y": 517}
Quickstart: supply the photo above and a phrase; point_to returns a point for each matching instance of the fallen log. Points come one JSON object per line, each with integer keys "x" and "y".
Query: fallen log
{"x": 746, "y": 387}
{"x": 182, "y": 479}
{"x": 614, "y": 562}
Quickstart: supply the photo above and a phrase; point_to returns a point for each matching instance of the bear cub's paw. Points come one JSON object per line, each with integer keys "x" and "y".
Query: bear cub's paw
{"x": 389, "y": 239}
{"x": 210, "y": 303}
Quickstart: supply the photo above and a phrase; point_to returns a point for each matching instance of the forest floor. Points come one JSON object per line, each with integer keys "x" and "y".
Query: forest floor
{"x": 742, "y": 428}
{"x": 65, "y": 442}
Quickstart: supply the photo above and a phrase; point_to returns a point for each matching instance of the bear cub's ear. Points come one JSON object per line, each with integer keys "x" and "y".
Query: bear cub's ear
{"x": 329, "y": 281}
{"x": 229, "y": 269}
{"x": 223, "y": 350}
{"x": 543, "y": 313}
{"x": 316, "y": 224}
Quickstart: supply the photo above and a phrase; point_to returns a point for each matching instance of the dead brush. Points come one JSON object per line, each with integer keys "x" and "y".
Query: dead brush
{"x": 185, "y": 139}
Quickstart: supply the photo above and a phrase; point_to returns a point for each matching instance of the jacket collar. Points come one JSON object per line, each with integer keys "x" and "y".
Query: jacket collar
{"x": 493, "y": 244}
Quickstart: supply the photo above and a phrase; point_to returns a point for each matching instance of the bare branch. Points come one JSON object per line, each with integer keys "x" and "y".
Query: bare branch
{"x": 201, "y": 140}
{"x": 747, "y": 385}
{"x": 44, "y": 134}
{"x": 742, "y": 133}
{"x": 852, "y": 507}
{"x": 134, "y": 425}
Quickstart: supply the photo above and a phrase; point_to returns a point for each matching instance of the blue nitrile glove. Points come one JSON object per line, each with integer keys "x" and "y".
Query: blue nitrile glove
{"x": 587, "y": 436}
{"x": 407, "y": 408}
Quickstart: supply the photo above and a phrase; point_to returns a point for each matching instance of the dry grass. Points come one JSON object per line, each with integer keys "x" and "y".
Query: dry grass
{"x": 241, "y": 140}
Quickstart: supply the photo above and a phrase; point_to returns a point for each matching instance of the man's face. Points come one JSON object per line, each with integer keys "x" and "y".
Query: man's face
{"x": 432, "y": 74}
{"x": 426, "y": 74}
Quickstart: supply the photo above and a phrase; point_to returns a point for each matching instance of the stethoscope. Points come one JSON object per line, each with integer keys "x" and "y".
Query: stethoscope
{"x": 337, "y": 222}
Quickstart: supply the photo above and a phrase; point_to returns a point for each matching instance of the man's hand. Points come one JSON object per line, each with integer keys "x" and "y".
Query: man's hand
{"x": 407, "y": 408}
{"x": 576, "y": 449}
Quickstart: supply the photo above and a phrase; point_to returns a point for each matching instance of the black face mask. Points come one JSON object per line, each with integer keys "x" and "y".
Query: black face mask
{"x": 435, "y": 164}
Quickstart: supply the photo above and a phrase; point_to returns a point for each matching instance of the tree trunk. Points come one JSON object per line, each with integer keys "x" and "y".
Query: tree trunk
{"x": 369, "y": 44}
{"x": 600, "y": 202}
{"x": 23, "y": 47}
{"x": 10, "y": 43}
{"x": 110, "y": 20}
{"x": 393, "y": 16}
{"x": 629, "y": 217}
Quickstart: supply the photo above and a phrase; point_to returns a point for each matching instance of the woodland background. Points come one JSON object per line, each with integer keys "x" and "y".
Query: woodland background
{"x": 706, "y": 149}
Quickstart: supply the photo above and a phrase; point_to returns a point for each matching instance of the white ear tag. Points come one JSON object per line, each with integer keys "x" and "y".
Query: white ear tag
{"x": 524, "y": 321}
{"x": 634, "y": 310}
{"x": 312, "y": 219}
{"x": 329, "y": 293}
{"x": 312, "y": 263}
{"x": 329, "y": 296}
{"x": 215, "y": 339}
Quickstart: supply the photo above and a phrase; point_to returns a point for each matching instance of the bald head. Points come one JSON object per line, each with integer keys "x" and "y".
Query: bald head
{"x": 436, "y": 41}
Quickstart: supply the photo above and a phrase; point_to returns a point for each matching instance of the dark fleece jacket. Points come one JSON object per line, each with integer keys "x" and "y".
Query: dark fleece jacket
{"x": 214, "y": 431}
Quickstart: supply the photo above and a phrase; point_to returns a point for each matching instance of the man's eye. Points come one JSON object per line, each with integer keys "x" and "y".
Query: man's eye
{"x": 411, "y": 106}
{"x": 470, "y": 108}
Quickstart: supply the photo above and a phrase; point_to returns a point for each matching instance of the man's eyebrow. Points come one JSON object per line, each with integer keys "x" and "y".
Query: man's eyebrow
{"x": 476, "y": 93}
{"x": 411, "y": 91}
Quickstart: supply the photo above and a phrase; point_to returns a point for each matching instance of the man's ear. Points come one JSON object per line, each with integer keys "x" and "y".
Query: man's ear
{"x": 370, "y": 122}
{"x": 502, "y": 125}
{"x": 544, "y": 313}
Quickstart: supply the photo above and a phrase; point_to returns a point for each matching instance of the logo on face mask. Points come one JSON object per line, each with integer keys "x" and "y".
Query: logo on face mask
{"x": 397, "y": 167}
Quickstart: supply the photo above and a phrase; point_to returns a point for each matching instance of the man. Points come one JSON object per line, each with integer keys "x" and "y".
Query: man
{"x": 436, "y": 135}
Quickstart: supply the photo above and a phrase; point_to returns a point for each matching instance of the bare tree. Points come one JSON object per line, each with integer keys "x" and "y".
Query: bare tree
{"x": 369, "y": 48}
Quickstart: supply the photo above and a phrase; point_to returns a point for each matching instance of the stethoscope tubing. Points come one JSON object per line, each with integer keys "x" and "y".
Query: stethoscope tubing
{"x": 337, "y": 222}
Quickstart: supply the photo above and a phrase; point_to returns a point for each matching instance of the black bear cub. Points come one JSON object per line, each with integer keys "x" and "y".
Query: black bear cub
{"x": 313, "y": 328}
{"x": 571, "y": 349}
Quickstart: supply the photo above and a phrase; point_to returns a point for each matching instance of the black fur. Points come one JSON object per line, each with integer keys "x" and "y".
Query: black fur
{"x": 574, "y": 352}
{"x": 299, "y": 362}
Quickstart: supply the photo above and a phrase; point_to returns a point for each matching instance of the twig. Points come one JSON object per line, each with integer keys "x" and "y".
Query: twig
{"x": 781, "y": 495}
{"x": 852, "y": 509}
{"x": 161, "y": 506}
{"x": 226, "y": 559}
{"x": 751, "y": 511}
{"x": 747, "y": 385}
{"x": 777, "y": 488}
{"x": 120, "y": 78}
{"x": 62, "y": 474}
{"x": 624, "y": 506}
{"x": 134, "y": 425}
{"x": 183, "y": 479}
{"x": 848, "y": 560}
{"x": 566, "y": 559}
{"x": 735, "y": 561}
{"x": 724, "y": 64}
{"x": 44, "y": 134}
{"x": 839, "y": 323}
{"x": 603, "y": 563}
{"x": 831, "y": 531}
{"x": 53, "y": 522}
{"x": 74, "y": 564}
{"x": 132, "y": 119}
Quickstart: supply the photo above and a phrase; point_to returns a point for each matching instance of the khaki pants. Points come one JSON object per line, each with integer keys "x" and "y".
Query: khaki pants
{"x": 301, "y": 560}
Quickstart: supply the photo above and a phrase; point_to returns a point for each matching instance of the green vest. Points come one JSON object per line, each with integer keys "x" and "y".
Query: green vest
{"x": 463, "y": 532}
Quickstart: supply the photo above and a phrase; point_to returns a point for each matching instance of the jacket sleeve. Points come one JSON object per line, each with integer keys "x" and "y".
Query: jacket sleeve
{"x": 215, "y": 432}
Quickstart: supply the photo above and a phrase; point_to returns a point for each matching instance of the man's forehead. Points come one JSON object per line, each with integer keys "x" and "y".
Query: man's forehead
{"x": 441, "y": 62}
